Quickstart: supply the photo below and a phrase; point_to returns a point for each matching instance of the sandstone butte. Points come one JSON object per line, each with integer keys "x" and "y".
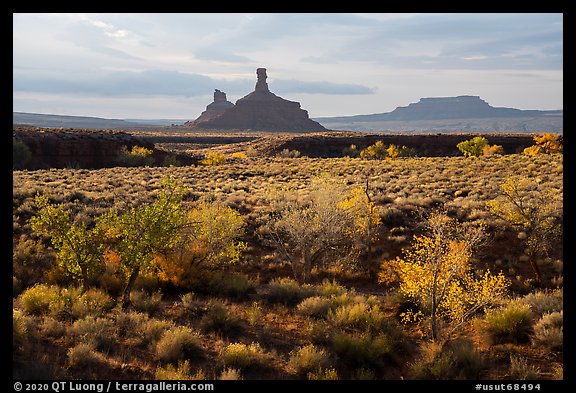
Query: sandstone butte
{"x": 261, "y": 110}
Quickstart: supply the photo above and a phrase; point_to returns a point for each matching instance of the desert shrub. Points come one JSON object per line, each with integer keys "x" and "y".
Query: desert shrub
{"x": 214, "y": 159}
{"x": 363, "y": 349}
{"x": 21, "y": 154}
{"x": 542, "y": 303}
{"x": 357, "y": 316}
{"x": 521, "y": 370}
{"x": 329, "y": 374}
{"x": 549, "y": 332}
{"x": 180, "y": 372}
{"x": 36, "y": 300}
{"x": 219, "y": 319}
{"x": 234, "y": 285}
{"x": 230, "y": 374}
{"x": 315, "y": 306}
{"x": 152, "y": 330}
{"x": 84, "y": 356}
{"x": 178, "y": 343}
{"x": 145, "y": 302}
{"x": 51, "y": 327}
{"x": 171, "y": 160}
{"x": 137, "y": 156}
{"x": 31, "y": 261}
{"x": 307, "y": 359}
{"x": 287, "y": 153}
{"x": 254, "y": 313}
{"x": 239, "y": 155}
{"x": 490, "y": 150}
{"x": 92, "y": 302}
{"x": 351, "y": 151}
{"x": 376, "y": 151}
{"x": 545, "y": 144}
{"x": 329, "y": 288}
{"x": 20, "y": 330}
{"x": 243, "y": 356}
{"x": 99, "y": 333}
{"x": 288, "y": 291}
{"x": 187, "y": 300}
{"x": 457, "y": 359}
{"x": 511, "y": 324}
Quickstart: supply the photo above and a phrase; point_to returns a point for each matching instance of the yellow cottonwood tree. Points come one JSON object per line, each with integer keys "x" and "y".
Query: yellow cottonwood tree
{"x": 436, "y": 273}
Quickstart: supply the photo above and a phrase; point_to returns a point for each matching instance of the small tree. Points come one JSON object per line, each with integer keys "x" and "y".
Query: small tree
{"x": 79, "y": 249}
{"x": 375, "y": 151}
{"x": 214, "y": 158}
{"x": 473, "y": 147}
{"x": 545, "y": 144}
{"x": 209, "y": 240}
{"x": 137, "y": 156}
{"x": 142, "y": 231}
{"x": 334, "y": 223}
{"x": 436, "y": 273}
{"x": 534, "y": 213}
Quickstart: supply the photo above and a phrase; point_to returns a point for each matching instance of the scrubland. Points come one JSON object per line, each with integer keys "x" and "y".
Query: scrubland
{"x": 254, "y": 319}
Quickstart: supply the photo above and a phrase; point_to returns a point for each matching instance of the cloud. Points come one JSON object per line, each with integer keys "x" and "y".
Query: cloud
{"x": 163, "y": 82}
{"x": 295, "y": 86}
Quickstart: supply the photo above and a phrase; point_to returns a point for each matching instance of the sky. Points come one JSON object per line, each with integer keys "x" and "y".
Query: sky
{"x": 166, "y": 66}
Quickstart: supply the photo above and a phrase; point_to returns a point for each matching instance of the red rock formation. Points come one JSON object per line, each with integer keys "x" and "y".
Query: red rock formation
{"x": 262, "y": 110}
{"x": 214, "y": 109}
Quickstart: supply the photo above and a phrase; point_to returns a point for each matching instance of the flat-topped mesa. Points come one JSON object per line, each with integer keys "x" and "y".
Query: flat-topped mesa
{"x": 261, "y": 110}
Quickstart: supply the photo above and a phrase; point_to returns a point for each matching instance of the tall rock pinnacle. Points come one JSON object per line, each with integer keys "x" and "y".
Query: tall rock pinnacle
{"x": 261, "y": 110}
{"x": 261, "y": 84}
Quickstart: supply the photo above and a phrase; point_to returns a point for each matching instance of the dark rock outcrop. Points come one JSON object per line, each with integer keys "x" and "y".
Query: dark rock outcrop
{"x": 262, "y": 110}
{"x": 81, "y": 148}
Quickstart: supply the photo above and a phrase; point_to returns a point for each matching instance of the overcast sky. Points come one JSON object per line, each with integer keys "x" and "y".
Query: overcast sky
{"x": 168, "y": 65}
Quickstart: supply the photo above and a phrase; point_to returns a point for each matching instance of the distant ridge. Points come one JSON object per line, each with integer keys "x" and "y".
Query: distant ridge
{"x": 441, "y": 108}
{"x": 46, "y": 120}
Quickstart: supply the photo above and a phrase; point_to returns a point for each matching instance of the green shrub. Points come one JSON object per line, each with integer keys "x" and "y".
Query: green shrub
{"x": 473, "y": 147}
{"x": 21, "y": 154}
{"x": 178, "y": 343}
{"x": 549, "y": 332}
{"x": 243, "y": 356}
{"x": 288, "y": 291}
{"x": 36, "y": 300}
{"x": 357, "y": 316}
{"x": 307, "y": 359}
{"x": 512, "y": 324}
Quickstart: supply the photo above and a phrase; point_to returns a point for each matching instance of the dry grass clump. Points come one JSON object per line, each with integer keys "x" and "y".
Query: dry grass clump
{"x": 98, "y": 332}
{"x": 83, "y": 356}
{"x": 243, "y": 356}
{"x": 521, "y": 370}
{"x": 288, "y": 291}
{"x": 230, "y": 374}
{"x": 544, "y": 302}
{"x": 145, "y": 302}
{"x": 308, "y": 359}
{"x": 549, "y": 332}
{"x": 455, "y": 360}
{"x": 178, "y": 343}
{"x": 219, "y": 319}
{"x": 180, "y": 372}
